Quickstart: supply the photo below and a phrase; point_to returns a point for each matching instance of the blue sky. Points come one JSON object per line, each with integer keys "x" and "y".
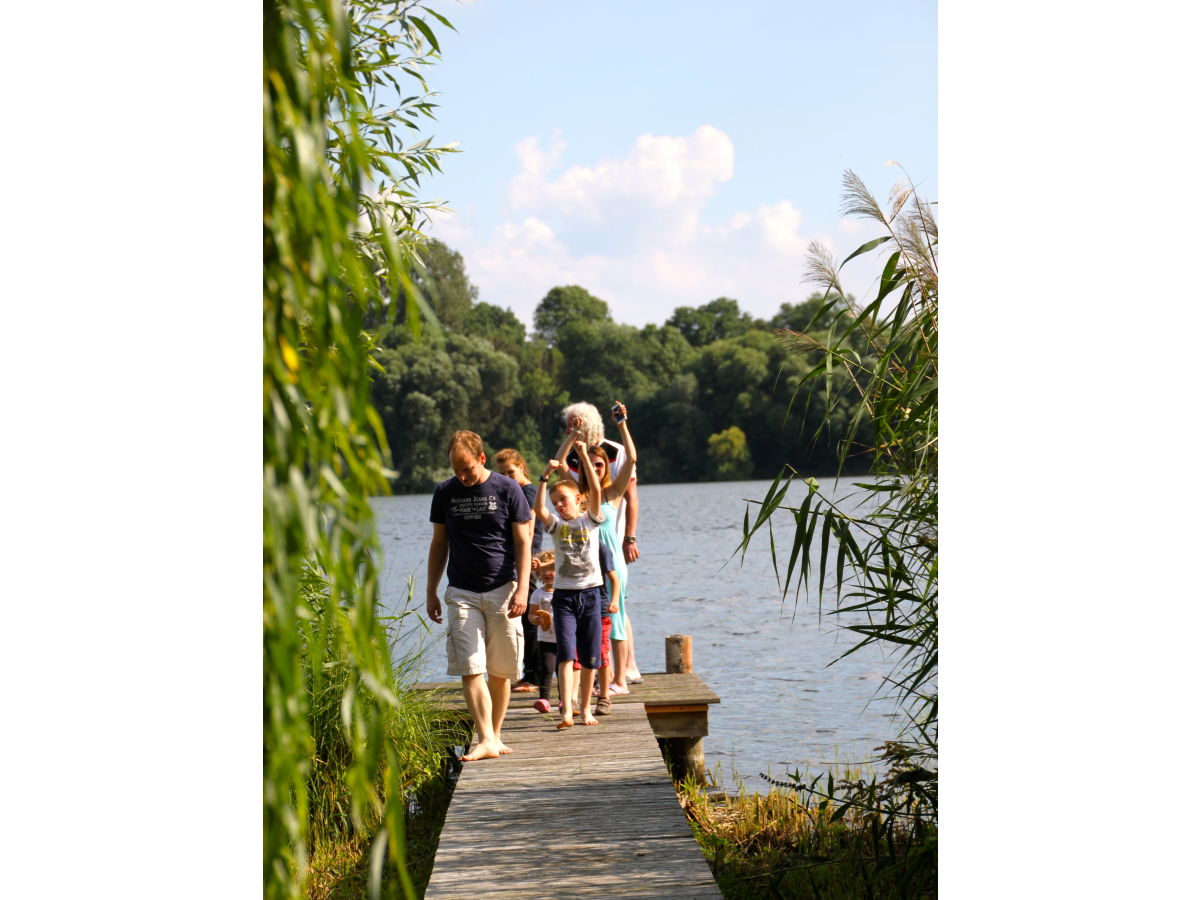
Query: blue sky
{"x": 667, "y": 153}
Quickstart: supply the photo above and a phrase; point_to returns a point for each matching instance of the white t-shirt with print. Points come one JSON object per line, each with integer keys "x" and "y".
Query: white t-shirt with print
{"x": 576, "y": 550}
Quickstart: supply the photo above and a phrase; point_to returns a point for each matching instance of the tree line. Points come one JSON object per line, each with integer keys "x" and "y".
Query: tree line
{"x": 714, "y": 394}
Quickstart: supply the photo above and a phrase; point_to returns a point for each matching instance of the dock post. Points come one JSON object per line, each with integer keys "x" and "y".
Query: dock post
{"x": 685, "y": 755}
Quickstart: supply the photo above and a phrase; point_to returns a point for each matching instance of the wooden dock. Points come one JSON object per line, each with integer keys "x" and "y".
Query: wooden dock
{"x": 589, "y": 811}
{"x": 676, "y": 705}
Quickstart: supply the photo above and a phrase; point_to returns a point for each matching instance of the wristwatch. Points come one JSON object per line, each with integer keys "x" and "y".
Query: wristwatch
{"x": 630, "y": 539}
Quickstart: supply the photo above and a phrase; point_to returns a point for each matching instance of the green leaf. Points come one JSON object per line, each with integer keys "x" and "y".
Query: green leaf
{"x": 427, "y": 31}
{"x": 865, "y": 248}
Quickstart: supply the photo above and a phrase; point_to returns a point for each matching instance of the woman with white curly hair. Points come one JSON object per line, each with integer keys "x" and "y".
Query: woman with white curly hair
{"x": 586, "y": 419}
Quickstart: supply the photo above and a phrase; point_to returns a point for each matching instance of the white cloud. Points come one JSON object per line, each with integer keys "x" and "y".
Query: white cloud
{"x": 658, "y": 188}
{"x": 632, "y": 231}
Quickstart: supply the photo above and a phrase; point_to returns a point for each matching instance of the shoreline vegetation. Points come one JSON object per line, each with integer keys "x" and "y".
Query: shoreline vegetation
{"x": 357, "y": 770}
{"x": 780, "y": 844}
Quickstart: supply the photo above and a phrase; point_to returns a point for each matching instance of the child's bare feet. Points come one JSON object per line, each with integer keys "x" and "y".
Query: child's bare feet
{"x": 587, "y": 717}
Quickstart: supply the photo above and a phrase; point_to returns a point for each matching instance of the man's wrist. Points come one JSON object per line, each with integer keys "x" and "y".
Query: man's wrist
{"x": 630, "y": 539}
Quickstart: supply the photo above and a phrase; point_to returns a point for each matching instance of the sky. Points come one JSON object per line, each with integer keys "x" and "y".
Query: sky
{"x": 665, "y": 154}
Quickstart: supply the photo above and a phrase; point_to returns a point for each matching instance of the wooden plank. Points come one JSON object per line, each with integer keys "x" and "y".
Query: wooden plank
{"x": 585, "y": 812}
{"x": 658, "y": 688}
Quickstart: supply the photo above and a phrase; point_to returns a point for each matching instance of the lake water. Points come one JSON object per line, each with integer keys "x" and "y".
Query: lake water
{"x": 782, "y": 706}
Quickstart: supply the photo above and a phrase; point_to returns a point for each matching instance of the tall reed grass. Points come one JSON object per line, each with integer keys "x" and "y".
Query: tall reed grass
{"x": 420, "y": 735}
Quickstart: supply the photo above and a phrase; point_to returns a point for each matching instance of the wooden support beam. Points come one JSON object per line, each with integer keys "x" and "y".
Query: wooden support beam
{"x": 681, "y": 727}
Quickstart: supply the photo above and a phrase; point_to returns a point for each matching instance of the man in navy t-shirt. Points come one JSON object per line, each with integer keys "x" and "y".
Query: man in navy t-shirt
{"x": 480, "y": 526}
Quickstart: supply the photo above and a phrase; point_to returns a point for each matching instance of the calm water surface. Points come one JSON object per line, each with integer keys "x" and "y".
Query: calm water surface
{"x": 782, "y": 706}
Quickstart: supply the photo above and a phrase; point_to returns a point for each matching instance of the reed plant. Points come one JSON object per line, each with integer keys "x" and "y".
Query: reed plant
{"x": 342, "y": 88}
{"x": 874, "y": 557}
{"x": 422, "y": 734}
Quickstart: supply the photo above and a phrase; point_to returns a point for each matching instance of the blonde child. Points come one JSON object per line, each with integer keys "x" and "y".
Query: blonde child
{"x": 573, "y": 526}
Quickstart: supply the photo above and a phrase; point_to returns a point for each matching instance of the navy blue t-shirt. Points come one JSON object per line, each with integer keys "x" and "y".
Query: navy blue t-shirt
{"x": 479, "y": 522}
{"x": 530, "y": 495}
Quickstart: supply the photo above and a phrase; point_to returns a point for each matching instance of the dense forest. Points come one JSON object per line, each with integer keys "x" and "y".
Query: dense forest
{"x": 711, "y": 392}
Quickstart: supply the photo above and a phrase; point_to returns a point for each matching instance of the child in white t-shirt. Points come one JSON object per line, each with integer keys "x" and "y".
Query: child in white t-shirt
{"x": 573, "y": 526}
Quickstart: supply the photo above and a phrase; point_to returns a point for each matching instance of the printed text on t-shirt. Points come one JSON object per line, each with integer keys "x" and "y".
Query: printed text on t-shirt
{"x": 472, "y": 507}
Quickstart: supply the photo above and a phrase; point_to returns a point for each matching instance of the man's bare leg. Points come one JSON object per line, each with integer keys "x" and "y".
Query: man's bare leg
{"x": 585, "y": 695}
{"x": 605, "y": 679}
{"x": 499, "y": 689}
{"x": 479, "y": 704}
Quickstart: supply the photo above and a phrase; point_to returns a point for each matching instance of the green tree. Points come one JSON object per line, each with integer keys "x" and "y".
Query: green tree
{"x": 728, "y": 455}
{"x": 812, "y": 315}
{"x": 442, "y": 280}
{"x": 498, "y": 325}
{"x": 714, "y": 321}
{"x": 563, "y": 305}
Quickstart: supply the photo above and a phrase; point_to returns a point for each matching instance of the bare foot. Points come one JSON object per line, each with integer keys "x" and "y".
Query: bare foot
{"x": 504, "y": 748}
{"x": 588, "y": 718}
{"x": 486, "y": 750}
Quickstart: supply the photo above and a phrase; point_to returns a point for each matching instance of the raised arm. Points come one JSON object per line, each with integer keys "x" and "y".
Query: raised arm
{"x": 592, "y": 482}
{"x": 566, "y": 445}
{"x": 621, "y": 482}
{"x": 539, "y": 500}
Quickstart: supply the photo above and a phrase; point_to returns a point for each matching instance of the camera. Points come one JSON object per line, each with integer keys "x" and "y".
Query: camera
{"x": 616, "y": 411}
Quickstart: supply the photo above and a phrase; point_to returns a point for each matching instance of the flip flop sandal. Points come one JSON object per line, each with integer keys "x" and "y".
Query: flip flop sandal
{"x": 561, "y": 725}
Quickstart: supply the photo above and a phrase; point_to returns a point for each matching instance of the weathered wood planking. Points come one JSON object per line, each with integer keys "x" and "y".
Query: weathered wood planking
{"x": 584, "y": 812}
{"x": 659, "y": 689}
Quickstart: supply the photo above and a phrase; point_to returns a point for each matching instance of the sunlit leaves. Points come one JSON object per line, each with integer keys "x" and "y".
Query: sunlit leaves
{"x": 332, "y": 246}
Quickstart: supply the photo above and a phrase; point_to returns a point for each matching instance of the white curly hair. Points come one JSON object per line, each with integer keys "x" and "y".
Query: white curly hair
{"x": 589, "y": 419}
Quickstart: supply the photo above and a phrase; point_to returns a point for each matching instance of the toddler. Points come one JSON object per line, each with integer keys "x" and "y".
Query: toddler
{"x": 541, "y": 616}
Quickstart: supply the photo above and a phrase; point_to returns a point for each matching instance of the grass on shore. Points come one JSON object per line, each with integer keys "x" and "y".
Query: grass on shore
{"x": 775, "y": 845}
{"x": 339, "y": 867}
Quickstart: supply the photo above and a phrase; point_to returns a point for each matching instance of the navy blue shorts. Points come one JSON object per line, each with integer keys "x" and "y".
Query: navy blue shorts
{"x": 577, "y": 623}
